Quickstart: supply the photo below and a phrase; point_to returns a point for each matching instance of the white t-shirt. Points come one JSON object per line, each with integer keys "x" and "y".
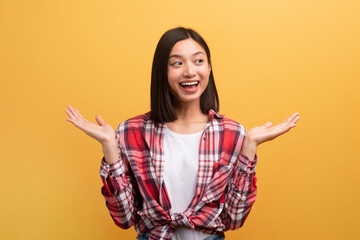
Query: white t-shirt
{"x": 181, "y": 164}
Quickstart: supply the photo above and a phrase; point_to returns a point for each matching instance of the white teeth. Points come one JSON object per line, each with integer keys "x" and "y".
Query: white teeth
{"x": 189, "y": 83}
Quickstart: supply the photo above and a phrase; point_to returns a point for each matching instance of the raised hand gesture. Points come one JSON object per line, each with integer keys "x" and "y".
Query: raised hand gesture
{"x": 266, "y": 132}
{"x": 103, "y": 132}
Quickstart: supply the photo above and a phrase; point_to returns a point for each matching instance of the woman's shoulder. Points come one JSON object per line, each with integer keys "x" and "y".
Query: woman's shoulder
{"x": 229, "y": 124}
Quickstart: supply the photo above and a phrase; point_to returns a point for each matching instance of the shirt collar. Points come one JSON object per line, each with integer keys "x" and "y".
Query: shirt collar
{"x": 211, "y": 115}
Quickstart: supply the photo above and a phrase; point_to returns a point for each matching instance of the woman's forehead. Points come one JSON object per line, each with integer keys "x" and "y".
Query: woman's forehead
{"x": 187, "y": 47}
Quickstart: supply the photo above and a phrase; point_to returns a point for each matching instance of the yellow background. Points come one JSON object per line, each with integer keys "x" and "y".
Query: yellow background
{"x": 270, "y": 59}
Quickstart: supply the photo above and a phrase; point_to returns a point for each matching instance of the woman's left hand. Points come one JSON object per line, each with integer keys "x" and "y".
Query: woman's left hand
{"x": 266, "y": 132}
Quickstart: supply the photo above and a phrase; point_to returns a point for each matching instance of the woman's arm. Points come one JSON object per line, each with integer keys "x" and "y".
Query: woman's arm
{"x": 240, "y": 193}
{"x": 119, "y": 190}
{"x": 119, "y": 187}
{"x": 242, "y": 189}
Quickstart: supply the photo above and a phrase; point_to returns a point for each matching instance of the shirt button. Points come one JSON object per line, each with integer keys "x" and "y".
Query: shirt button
{"x": 204, "y": 138}
{"x": 243, "y": 198}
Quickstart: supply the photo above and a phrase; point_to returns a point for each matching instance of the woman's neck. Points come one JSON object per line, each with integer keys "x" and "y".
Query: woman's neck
{"x": 190, "y": 119}
{"x": 190, "y": 112}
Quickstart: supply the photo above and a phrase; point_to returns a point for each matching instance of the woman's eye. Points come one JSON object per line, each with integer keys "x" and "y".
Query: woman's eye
{"x": 199, "y": 61}
{"x": 176, "y": 64}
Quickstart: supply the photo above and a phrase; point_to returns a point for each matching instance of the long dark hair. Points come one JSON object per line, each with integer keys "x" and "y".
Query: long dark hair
{"x": 162, "y": 103}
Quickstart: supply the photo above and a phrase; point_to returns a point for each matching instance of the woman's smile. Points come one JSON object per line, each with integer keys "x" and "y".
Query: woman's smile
{"x": 190, "y": 86}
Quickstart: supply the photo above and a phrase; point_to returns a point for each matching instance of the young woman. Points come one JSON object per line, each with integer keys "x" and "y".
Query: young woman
{"x": 182, "y": 170}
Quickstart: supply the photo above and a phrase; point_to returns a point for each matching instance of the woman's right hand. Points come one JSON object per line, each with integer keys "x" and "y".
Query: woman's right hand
{"x": 103, "y": 132}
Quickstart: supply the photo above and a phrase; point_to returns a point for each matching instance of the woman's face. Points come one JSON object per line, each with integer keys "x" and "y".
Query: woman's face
{"x": 188, "y": 71}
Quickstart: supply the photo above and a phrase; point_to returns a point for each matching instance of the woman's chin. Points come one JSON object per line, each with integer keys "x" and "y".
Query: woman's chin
{"x": 189, "y": 100}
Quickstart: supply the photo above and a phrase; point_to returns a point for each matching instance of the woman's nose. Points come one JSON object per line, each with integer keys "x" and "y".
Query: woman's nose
{"x": 189, "y": 71}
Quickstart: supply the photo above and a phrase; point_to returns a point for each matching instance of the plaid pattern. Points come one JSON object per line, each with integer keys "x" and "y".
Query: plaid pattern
{"x": 135, "y": 192}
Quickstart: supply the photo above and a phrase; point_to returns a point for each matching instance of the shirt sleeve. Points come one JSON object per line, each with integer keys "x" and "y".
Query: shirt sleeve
{"x": 119, "y": 191}
{"x": 241, "y": 193}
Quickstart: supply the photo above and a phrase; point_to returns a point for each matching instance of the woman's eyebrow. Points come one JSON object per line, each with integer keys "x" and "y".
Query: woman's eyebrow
{"x": 179, "y": 56}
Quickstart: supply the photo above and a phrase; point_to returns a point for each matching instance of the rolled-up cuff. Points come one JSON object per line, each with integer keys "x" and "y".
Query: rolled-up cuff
{"x": 246, "y": 164}
{"x": 113, "y": 176}
{"x": 115, "y": 169}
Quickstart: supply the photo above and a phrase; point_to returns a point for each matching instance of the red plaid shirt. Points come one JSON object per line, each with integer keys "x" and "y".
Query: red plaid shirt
{"x": 135, "y": 191}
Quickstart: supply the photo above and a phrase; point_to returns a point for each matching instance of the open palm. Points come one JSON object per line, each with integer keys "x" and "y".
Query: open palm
{"x": 266, "y": 132}
{"x": 102, "y": 132}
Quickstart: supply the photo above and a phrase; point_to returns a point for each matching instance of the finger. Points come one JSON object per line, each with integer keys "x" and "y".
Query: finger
{"x": 80, "y": 116}
{"x": 100, "y": 121}
{"x": 294, "y": 116}
{"x": 76, "y": 123}
{"x": 74, "y": 113}
{"x": 292, "y": 123}
{"x": 296, "y": 119}
{"x": 70, "y": 114}
{"x": 282, "y": 127}
{"x": 73, "y": 118}
{"x": 268, "y": 124}
{"x": 290, "y": 120}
